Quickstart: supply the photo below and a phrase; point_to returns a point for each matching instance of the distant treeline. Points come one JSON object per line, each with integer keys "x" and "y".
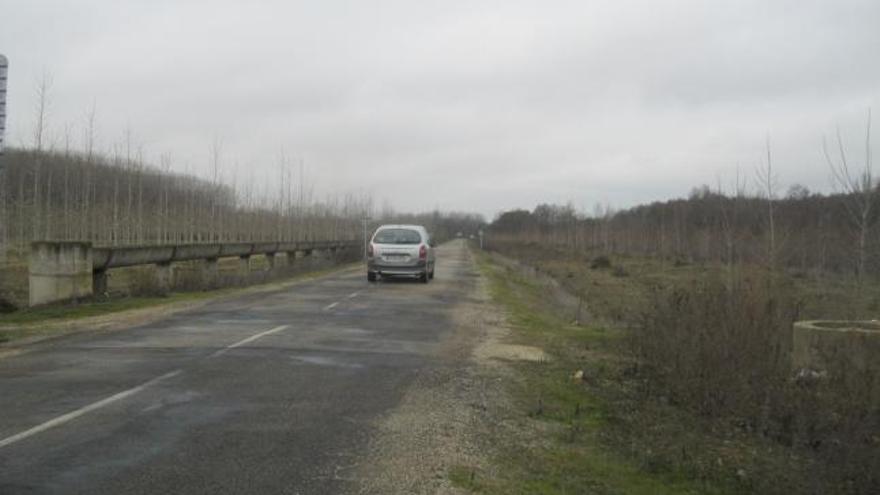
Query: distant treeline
{"x": 118, "y": 200}
{"x": 442, "y": 225}
{"x": 804, "y": 231}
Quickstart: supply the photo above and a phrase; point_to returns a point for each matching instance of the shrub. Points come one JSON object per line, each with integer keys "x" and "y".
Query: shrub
{"x": 723, "y": 351}
{"x": 6, "y": 306}
{"x": 714, "y": 347}
{"x": 600, "y": 262}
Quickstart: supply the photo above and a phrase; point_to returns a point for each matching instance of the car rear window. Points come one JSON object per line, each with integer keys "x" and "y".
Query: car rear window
{"x": 397, "y": 236}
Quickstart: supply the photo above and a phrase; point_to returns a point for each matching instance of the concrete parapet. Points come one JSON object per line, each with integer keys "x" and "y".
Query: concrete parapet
{"x": 59, "y": 271}
{"x": 69, "y": 270}
{"x": 265, "y": 247}
{"x": 104, "y": 258}
{"x": 190, "y": 252}
{"x": 288, "y": 246}
{"x": 236, "y": 249}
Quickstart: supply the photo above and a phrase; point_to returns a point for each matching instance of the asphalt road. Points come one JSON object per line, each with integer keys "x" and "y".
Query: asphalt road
{"x": 268, "y": 393}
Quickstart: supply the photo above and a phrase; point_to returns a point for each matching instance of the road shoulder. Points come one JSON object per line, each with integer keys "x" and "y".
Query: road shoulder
{"x": 441, "y": 431}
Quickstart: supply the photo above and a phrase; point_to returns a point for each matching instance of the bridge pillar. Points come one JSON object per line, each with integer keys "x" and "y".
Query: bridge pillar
{"x": 313, "y": 257}
{"x": 270, "y": 258}
{"x": 99, "y": 282}
{"x": 59, "y": 271}
{"x": 210, "y": 273}
{"x": 164, "y": 277}
{"x": 244, "y": 267}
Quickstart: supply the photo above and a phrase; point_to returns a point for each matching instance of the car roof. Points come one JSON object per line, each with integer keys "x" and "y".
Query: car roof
{"x": 402, "y": 226}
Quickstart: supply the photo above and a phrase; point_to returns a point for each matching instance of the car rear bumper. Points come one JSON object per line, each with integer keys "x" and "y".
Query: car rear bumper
{"x": 381, "y": 269}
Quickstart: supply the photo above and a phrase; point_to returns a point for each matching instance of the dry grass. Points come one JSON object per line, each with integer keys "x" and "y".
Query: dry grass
{"x": 552, "y": 440}
{"x": 702, "y": 385}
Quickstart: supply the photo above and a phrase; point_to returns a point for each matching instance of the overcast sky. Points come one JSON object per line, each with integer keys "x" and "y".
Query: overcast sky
{"x": 475, "y": 106}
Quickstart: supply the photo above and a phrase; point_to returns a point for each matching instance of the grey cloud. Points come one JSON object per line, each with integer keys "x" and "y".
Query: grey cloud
{"x": 464, "y": 105}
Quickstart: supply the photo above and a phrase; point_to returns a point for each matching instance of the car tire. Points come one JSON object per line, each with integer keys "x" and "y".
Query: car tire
{"x": 424, "y": 277}
{"x": 371, "y": 277}
{"x": 431, "y": 275}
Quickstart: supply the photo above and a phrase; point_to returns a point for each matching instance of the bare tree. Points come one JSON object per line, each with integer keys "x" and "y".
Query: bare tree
{"x": 107, "y": 198}
{"x": 216, "y": 150}
{"x": 860, "y": 191}
{"x": 768, "y": 185}
{"x": 66, "y": 184}
{"x": 89, "y": 140}
{"x": 730, "y": 210}
{"x": 41, "y": 119}
{"x": 41, "y": 111}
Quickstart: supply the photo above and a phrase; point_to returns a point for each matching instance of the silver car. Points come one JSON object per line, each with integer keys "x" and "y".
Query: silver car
{"x": 404, "y": 250}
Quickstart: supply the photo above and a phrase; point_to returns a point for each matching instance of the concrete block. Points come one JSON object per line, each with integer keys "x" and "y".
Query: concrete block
{"x": 59, "y": 271}
{"x": 838, "y": 347}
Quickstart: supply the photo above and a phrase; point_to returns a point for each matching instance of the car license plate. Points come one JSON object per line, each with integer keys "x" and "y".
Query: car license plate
{"x": 395, "y": 257}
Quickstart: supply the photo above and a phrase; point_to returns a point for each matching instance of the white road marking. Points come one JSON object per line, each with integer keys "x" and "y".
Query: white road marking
{"x": 249, "y": 339}
{"x": 60, "y": 420}
{"x": 330, "y": 306}
{"x": 353, "y": 295}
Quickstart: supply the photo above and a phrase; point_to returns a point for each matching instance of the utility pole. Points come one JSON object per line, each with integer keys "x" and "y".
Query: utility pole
{"x": 4, "y": 70}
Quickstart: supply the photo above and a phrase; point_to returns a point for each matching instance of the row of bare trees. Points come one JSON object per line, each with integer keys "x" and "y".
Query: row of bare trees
{"x": 813, "y": 233}
{"x": 52, "y": 189}
{"x": 60, "y": 187}
{"x": 120, "y": 200}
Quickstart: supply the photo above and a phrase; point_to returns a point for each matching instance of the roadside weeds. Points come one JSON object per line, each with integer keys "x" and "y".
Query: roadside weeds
{"x": 554, "y": 438}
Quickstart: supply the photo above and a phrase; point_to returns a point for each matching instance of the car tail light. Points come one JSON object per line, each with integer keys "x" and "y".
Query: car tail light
{"x": 423, "y": 252}
{"x": 370, "y": 250}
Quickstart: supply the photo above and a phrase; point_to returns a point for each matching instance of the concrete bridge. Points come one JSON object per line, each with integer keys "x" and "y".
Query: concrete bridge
{"x": 61, "y": 271}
